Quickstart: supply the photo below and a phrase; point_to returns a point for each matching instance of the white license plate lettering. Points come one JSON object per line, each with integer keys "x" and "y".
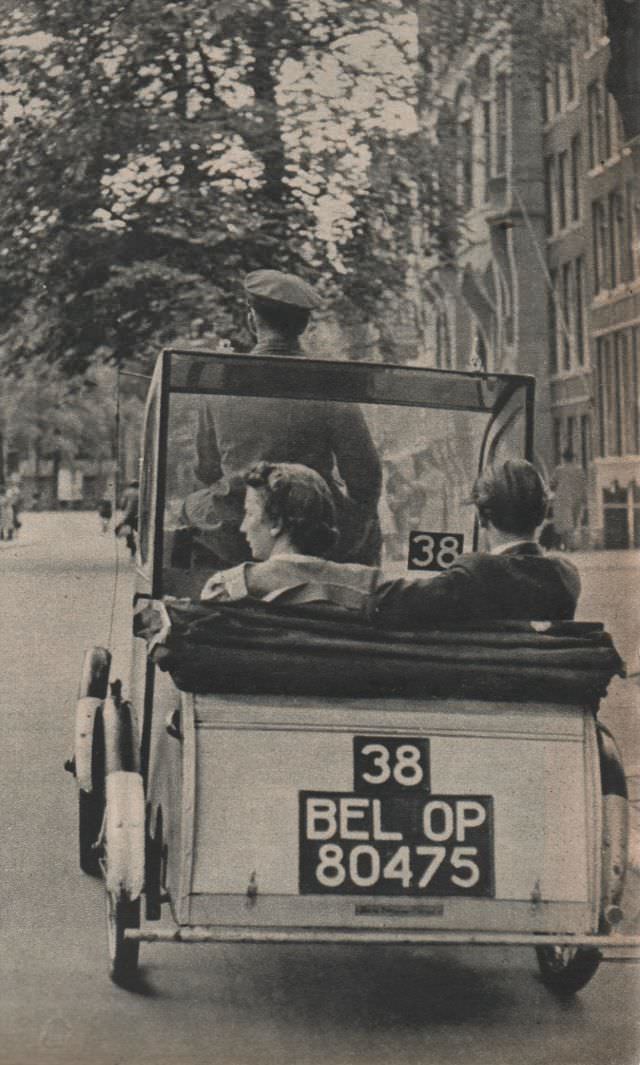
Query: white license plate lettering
{"x": 410, "y": 844}
{"x": 436, "y": 856}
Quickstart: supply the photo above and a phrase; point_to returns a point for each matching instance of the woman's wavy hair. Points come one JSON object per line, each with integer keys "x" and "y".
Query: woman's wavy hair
{"x": 297, "y": 498}
{"x": 512, "y": 496}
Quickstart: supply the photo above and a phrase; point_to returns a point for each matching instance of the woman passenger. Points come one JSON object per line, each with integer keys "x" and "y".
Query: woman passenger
{"x": 290, "y": 525}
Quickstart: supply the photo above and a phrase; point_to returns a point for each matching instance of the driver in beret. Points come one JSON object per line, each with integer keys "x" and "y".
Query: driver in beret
{"x": 234, "y": 433}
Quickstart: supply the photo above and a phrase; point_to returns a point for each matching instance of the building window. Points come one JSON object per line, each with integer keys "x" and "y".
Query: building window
{"x": 575, "y": 177}
{"x": 619, "y": 128}
{"x": 549, "y": 187}
{"x": 562, "y": 189}
{"x": 585, "y": 440}
{"x": 443, "y": 348}
{"x": 629, "y": 392}
{"x": 546, "y": 88}
{"x": 635, "y": 390}
{"x": 625, "y": 271}
{"x": 628, "y": 232}
{"x": 595, "y": 124}
{"x": 466, "y": 163}
{"x": 607, "y": 125}
{"x": 557, "y": 88}
{"x": 619, "y": 359}
{"x": 614, "y": 233}
{"x": 502, "y": 98}
{"x": 571, "y": 433}
{"x": 571, "y": 81}
{"x": 566, "y": 316}
{"x": 579, "y": 309}
{"x": 486, "y": 141}
{"x": 557, "y": 441}
{"x": 553, "y": 322}
{"x": 599, "y": 232}
{"x": 617, "y": 399}
{"x": 610, "y": 399}
{"x": 602, "y": 349}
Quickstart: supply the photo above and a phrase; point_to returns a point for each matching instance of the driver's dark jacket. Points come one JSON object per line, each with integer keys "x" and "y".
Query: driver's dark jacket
{"x": 521, "y": 583}
{"x": 233, "y": 433}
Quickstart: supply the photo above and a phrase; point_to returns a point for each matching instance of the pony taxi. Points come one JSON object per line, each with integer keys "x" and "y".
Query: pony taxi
{"x": 274, "y": 774}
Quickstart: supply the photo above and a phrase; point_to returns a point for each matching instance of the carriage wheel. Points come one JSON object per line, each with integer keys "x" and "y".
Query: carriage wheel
{"x": 566, "y": 970}
{"x": 122, "y": 913}
{"x": 90, "y": 814}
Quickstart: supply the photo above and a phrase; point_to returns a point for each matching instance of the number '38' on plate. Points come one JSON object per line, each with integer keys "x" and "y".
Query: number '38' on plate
{"x": 411, "y": 844}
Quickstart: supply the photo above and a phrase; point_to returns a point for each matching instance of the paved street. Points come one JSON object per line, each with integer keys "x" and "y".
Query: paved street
{"x": 240, "y": 1005}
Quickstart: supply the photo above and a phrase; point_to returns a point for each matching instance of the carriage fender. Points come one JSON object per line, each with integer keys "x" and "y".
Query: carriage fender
{"x": 86, "y": 710}
{"x": 124, "y": 793}
{"x": 124, "y": 834}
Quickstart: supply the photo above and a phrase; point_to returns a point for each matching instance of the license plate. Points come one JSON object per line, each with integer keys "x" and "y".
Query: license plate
{"x": 390, "y": 835}
{"x": 412, "y": 843}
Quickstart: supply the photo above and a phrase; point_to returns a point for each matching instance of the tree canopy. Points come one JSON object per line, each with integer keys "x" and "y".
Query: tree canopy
{"x": 154, "y": 152}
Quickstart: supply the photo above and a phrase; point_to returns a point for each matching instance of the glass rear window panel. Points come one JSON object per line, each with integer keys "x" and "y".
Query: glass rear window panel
{"x": 426, "y": 457}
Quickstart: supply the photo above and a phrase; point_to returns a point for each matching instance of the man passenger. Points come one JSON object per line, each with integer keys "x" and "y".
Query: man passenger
{"x": 511, "y": 578}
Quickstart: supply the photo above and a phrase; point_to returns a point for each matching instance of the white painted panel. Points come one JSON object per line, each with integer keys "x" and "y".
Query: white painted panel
{"x": 249, "y": 781}
{"x": 247, "y": 803}
{"x": 566, "y": 836}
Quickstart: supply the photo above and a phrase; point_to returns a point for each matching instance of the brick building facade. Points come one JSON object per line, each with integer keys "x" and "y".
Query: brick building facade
{"x": 546, "y": 273}
{"x": 591, "y": 177}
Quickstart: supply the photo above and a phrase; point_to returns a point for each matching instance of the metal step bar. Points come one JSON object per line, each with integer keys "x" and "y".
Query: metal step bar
{"x": 212, "y": 934}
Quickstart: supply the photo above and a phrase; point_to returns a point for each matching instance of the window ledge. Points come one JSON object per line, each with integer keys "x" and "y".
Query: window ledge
{"x": 574, "y": 373}
{"x": 602, "y": 42}
{"x": 611, "y": 295}
{"x": 607, "y": 164}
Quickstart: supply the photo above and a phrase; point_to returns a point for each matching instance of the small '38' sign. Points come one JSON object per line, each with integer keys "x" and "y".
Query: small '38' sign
{"x": 434, "y": 550}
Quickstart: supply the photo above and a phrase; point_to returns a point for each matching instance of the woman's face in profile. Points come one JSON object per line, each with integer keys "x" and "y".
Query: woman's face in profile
{"x": 257, "y": 527}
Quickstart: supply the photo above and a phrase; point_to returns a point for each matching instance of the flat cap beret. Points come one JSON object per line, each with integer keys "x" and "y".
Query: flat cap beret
{"x": 281, "y": 288}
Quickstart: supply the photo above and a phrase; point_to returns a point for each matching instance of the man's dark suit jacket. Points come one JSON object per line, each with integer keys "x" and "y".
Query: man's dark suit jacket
{"x": 521, "y": 583}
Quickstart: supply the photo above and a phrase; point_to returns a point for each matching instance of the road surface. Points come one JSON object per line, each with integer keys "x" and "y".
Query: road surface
{"x": 236, "y": 1005}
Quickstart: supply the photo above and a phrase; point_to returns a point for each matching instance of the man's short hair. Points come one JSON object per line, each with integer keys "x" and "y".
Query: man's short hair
{"x": 512, "y": 496}
{"x": 299, "y": 499}
{"x": 282, "y": 317}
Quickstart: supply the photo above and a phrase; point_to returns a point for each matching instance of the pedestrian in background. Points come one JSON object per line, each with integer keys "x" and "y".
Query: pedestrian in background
{"x": 569, "y": 487}
{"x": 14, "y": 500}
{"x": 128, "y": 527}
{"x": 105, "y": 513}
{"x": 6, "y": 516}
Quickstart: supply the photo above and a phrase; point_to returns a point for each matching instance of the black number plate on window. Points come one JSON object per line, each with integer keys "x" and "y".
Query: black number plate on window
{"x": 434, "y": 551}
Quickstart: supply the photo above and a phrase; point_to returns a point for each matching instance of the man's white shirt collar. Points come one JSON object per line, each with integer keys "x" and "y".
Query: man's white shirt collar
{"x": 508, "y": 546}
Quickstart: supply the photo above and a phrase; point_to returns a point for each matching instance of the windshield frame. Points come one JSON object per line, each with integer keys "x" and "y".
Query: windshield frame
{"x": 222, "y": 373}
